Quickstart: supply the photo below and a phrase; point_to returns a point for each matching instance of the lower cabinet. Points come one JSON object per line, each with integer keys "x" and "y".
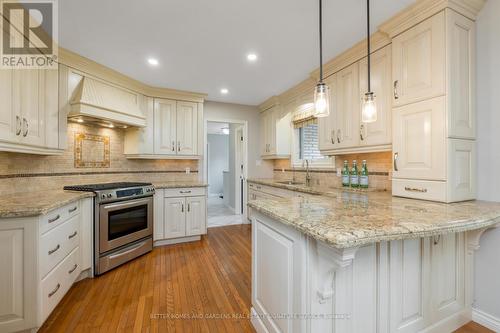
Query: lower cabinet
{"x": 183, "y": 214}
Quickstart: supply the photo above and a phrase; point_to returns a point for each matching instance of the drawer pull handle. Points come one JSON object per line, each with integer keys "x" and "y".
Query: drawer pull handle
{"x": 184, "y": 192}
{"x": 73, "y": 269}
{"x": 73, "y": 235}
{"x": 420, "y": 190}
{"x": 54, "y": 218}
{"x": 55, "y": 290}
{"x": 55, "y": 249}
{"x": 73, "y": 209}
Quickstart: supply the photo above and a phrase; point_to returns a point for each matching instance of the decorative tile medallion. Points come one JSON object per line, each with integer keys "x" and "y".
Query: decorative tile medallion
{"x": 91, "y": 151}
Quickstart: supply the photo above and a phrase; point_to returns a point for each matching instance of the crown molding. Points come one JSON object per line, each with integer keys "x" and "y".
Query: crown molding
{"x": 95, "y": 69}
{"x": 269, "y": 103}
{"x": 423, "y": 9}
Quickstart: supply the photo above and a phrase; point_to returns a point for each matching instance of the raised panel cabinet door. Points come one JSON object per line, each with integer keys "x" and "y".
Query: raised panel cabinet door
{"x": 419, "y": 142}
{"x": 196, "y": 216}
{"x": 174, "y": 217}
{"x": 187, "y": 128}
{"x": 262, "y": 139}
{"x": 419, "y": 63}
{"x": 273, "y": 120}
{"x": 378, "y": 132}
{"x": 51, "y": 107}
{"x": 10, "y": 119}
{"x": 326, "y": 125}
{"x": 348, "y": 104}
{"x": 165, "y": 117}
{"x": 29, "y": 93}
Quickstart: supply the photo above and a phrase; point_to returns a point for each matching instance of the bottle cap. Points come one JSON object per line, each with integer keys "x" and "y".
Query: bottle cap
{"x": 353, "y": 161}
{"x": 364, "y": 161}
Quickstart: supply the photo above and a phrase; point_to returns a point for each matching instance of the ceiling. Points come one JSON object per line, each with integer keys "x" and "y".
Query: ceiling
{"x": 202, "y": 45}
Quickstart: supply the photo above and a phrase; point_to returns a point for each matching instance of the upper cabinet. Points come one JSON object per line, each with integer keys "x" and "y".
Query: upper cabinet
{"x": 348, "y": 104}
{"x": 173, "y": 131}
{"x": 29, "y": 112}
{"x": 276, "y": 132}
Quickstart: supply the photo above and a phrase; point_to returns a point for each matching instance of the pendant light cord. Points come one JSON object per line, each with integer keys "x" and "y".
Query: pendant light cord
{"x": 368, "y": 43}
{"x": 320, "y": 42}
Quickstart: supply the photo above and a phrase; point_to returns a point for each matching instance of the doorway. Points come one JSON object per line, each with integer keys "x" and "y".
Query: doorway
{"x": 225, "y": 172}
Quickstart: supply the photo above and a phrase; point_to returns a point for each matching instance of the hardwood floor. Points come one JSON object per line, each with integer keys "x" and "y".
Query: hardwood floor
{"x": 206, "y": 279}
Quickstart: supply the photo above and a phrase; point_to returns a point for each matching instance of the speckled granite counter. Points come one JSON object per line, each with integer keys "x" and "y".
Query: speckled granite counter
{"x": 178, "y": 184}
{"x": 346, "y": 219}
{"x": 37, "y": 203}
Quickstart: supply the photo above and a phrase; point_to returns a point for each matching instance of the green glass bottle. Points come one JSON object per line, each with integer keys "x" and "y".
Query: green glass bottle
{"x": 354, "y": 175}
{"x": 363, "y": 178}
{"x": 345, "y": 175}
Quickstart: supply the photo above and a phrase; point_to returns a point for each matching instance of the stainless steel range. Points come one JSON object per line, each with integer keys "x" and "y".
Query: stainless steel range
{"x": 123, "y": 222}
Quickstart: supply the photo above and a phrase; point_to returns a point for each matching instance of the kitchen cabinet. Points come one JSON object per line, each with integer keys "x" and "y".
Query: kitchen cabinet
{"x": 196, "y": 216}
{"x": 29, "y": 111}
{"x": 174, "y": 130}
{"x": 327, "y": 126}
{"x": 348, "y": 106}
{"x": 175, "y": 217}
{"x": 276, "y": 132}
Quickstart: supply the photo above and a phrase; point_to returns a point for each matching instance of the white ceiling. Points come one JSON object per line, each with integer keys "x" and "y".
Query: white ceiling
{"x": 202, "y": 45}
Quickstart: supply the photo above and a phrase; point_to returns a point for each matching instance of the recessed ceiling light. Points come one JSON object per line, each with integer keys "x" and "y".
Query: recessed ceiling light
{"x": 252, "y": 57}
{"x": 224, "y": 91}
{"x": 153, "y": 62}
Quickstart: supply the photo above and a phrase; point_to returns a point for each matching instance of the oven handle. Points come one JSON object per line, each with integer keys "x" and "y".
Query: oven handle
{"x": 119, "y": 254}
{"x": 126, "y": 204}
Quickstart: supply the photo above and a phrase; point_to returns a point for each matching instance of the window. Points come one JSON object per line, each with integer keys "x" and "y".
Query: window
{"x": 306, "y": 147}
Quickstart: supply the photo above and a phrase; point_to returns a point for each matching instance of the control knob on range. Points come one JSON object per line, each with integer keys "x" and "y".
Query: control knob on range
{"x": 103, "y": 196}
{"x": 110, "y": 195}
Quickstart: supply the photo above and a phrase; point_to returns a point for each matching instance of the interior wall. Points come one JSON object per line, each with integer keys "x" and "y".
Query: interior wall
{"x": 487, "y": 286}
{"x": 218, "y": 161}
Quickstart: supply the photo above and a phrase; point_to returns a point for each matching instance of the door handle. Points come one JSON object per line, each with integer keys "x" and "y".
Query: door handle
{"x": 25, "y": 122}
{"x": 396, "y": 155}
{"x": 361, "y": 128}
{"x": 332, "y": 137}
{"x": 189, "y": 208}
{"x": 338, "y": 136}
{"x": 396, "y": 96}
{"x": 178, "y": 146}
{"x": 18, "y": 125}
{"x": 173, "y": 145}
{"x": 182, "y": 208}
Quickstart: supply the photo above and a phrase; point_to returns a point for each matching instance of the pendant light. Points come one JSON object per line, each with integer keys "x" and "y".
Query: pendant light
{"x": 321, "y": 91}
{"x": 369, "y": 110}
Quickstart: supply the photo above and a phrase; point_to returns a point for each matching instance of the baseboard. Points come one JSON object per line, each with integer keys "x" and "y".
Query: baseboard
{"x": 485, "y": 319}
{"x": 257, "y": 322}
{"x": 450, "y": 323}
{"x": 216, "y": 225}
{"x": 163, "y": 242}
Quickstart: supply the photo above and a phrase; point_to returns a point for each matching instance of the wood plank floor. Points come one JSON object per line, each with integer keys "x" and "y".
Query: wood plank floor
{"x": 164, "y": 290}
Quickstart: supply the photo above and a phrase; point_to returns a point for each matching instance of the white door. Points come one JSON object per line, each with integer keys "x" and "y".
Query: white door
{"x": 175, "y": 217}
{"x": 165, "y": 142}
{"x": 327, "y": 125}
{"x": 379, "y": 132}
{"x": 196, "y": 216}
{"x": 187, "y": 128}
{"x": 10, "y": 119}
{"x": 419, "y": 143}
{"x": 348, "y": 104}
{"x": 29, "y": 90}
{"x": 419, "y": 64}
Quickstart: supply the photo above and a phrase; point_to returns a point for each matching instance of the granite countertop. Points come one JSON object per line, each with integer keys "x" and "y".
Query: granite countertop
{"x": 175, "y": 184}
{"x": 37, "y": 202}
{"x": 346, "y": 219}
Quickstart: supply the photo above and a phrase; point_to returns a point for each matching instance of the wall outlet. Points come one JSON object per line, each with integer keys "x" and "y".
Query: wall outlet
{"x": 282, "y": 169}
{"x": 339, "y": 173}
{"x": 188, "y": 171}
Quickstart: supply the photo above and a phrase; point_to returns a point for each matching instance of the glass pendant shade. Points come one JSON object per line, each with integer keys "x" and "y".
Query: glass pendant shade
{"x": 369, "y": 111}
{"x": 321, "y": 100}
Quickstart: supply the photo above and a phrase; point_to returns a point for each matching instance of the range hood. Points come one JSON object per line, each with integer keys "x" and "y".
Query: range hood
{"x": 103, "y": 104}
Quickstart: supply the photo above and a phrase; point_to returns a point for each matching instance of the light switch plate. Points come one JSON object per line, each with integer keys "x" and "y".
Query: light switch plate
{"x": 188, "y": 171}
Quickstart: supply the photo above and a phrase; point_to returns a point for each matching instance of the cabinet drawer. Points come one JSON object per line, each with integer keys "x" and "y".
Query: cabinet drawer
{"x": 184, "y": 192}
{"x": 58, "y": 216}
{"x": 58, "y": 282}
{"x": 57, "y": 243}
{"x": 419, "y": 189}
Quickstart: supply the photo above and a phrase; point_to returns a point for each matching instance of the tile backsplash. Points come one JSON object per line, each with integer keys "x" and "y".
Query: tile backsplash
{"x": 19, "y": 172}
{"x": 379, "y": 168}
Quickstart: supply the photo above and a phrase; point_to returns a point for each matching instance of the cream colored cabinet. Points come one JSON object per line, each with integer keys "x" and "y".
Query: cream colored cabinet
{"x": 187, "y": 128}
{"x": 419, "y": 61}
{"x": 175, "y": 218}
{"x": 196, "y": 208}
{"x": 348, "y": 105}
{"x": 327, "y": 130}
{"x": 165, "y": 127}
{"x": 275, "y": 132}
{"x": 29, "y": 113}
{"x": 379, "y": 132}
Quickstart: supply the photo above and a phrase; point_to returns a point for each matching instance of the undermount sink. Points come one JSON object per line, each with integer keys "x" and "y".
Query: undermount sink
{"x": 290, "y": 182}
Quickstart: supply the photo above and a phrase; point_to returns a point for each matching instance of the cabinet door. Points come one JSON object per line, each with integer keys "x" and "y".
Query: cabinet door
{"x": 271, "y": 135}
{"x": 327, "y": 125}
{"x": 348, "y": 105}
{"x": 165, "y": 127}
{"x": 10, "y": 121}
{"x": 419, "y": 64}
{"x": 187, "y": 128}
{"x": 29, "y": 88}
{"x": 266, "y": 132}
{"x": 419, "y": 143}
{"x": 378, "y": 132}
{"x": 196, "y": 216}
{"x": 175, "y": 217}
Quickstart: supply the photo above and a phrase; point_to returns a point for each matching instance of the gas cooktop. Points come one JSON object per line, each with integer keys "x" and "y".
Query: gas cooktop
{"x": 104, "y": 186}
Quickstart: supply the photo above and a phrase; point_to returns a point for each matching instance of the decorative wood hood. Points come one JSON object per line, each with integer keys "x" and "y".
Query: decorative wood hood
{"x": 100, "y": 102}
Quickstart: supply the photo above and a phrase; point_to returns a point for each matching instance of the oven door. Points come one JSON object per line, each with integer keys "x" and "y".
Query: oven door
{"x": 123, "y": 222}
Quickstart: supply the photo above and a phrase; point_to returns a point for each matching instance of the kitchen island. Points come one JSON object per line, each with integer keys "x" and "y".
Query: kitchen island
{"x": 364, "y": 262}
